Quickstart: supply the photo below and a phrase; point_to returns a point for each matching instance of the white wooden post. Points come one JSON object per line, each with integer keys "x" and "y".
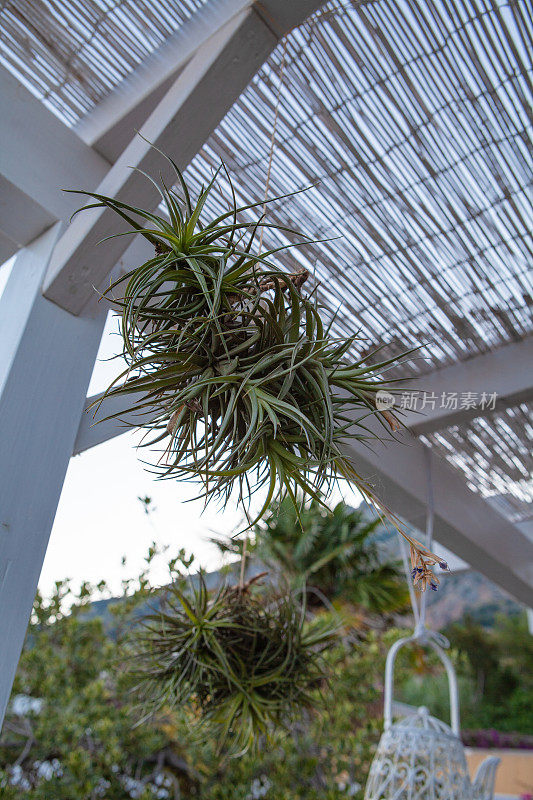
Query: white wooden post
{"x": 46, "y": 353}
{"x": 46, "y": 359}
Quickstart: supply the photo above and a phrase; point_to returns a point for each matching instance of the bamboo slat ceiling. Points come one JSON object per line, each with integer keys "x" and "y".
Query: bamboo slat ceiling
{"x": 412, "y": 123}
{"x": 494, "y": 453}
{"x": 72, "y": 53}
{"x": 415, "y": 120}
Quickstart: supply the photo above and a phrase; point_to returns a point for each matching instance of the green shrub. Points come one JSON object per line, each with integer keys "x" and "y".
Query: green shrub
{"x": 89, "y": 739}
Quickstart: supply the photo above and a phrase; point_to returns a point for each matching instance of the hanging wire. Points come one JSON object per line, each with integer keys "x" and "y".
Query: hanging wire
{"x": 263, "y": 211}
{"x": 421, "y": 632}
{"x": 273, "y": 137}
{"x": 430, "y": 520}
{"x": 243, "y": 563}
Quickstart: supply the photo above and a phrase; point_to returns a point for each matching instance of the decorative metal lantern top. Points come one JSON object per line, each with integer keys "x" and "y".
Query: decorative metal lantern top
{"x": 420, "y": 757}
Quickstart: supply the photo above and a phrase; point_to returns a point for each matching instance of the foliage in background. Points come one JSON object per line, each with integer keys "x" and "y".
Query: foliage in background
{"x": 333, "y": 553}
{"x": 246, "y": 658}
{"x": 495, "y": 674}
{"x": 74, "y": 730}
{"x": 69, "y": 733}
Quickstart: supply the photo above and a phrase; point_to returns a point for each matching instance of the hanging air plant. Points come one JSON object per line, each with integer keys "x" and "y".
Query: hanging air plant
{"x": 243, "y": 661}
{"x": 230, "y": 368}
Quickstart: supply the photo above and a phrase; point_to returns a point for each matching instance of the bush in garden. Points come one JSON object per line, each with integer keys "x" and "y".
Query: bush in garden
{"x": 246, "y": 658}
{"x": 78, "y": 741}
{"x": 74, "y": 730}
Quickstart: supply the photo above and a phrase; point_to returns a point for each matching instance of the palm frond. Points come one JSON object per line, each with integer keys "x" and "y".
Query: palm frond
{"x": 333, "y": 552}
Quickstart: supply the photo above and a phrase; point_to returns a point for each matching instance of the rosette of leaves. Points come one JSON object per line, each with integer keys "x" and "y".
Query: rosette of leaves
{"x": 230, "y": 367}
{"x": 243, "y": 661}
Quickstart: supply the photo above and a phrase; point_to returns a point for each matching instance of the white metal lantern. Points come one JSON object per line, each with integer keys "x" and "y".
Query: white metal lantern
{"x": 420, "y": 757}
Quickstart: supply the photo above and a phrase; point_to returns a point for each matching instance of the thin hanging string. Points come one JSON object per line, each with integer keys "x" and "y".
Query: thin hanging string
{"x": 273, "y": 137}
{"x": 243, "y": 562}
{"x": 263, "y": 211}
{"x": 421, "y": 632}
{"x": 430, "y": 520}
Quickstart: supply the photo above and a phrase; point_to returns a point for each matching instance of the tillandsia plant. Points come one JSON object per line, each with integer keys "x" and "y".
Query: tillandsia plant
{"x": 243, "y": 662}
{"x": 230, "y": 367}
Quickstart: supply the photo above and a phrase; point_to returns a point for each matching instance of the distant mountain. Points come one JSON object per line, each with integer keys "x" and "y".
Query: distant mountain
{"x": 469, "y": 592}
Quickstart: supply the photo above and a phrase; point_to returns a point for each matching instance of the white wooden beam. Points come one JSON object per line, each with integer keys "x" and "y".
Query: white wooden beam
{"x": 110, "y": 127}
{"x": 182, "y": 121}
{"x": 179, "y": 124}
{"x": 281, "y": 17}
{"x": 27, "y": 217}
{"x": 91, "y": 432}
{"x": 39, "y": 156}
{"x": 46, "y": 360}
{"x": 503, "y": 372}
{"x": 8, "y": 247}
{"x": 465, "y": 523}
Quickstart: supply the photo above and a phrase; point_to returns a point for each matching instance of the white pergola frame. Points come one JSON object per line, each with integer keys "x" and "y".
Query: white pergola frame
{"x": 50, "y": 326}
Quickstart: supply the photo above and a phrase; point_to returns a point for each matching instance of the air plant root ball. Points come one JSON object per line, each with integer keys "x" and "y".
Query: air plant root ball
{"x": 245, "y": 660}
